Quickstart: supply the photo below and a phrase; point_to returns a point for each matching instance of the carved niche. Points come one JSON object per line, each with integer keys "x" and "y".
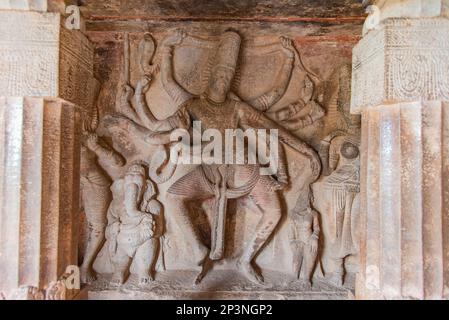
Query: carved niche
{"x": 164, "y": 215}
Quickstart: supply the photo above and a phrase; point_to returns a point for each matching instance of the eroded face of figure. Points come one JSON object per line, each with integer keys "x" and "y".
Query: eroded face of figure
{"x": 349, "y": 151}
{"x": 220, "y": 83}
{"x": 135, "y": 174}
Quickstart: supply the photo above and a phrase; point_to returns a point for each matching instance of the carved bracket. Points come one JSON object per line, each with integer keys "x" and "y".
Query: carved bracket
{"x": 405, "y": 60}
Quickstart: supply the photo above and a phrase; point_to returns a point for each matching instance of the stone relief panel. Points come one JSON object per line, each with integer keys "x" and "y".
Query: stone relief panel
{"x": 149, "y": 214}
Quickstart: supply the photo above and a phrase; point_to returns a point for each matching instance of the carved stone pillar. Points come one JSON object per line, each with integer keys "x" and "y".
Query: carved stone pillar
{"x": 46, "y": 81}
{"x": 401, "y": 88}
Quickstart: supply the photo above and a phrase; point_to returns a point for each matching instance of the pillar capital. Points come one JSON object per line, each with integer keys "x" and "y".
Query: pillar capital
{"x": 41, "y": 58}
{"x": 404, "y": 54}
{"x": 401, "y": 60}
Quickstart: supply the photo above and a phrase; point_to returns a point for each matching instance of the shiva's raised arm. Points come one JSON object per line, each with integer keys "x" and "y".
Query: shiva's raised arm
{"x": 268, "y": 99}
{"x": 173, "y": 88}
{"x": 180, "y": 119}
{"x": 251, "y": 118}
{"x": 126, "y": 107}
{"x": 316, "y": 112}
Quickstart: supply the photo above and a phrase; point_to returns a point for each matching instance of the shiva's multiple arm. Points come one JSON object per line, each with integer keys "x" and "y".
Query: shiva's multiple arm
{"x": 178, "y": 120}
{"x": 251, "y": 118}
{"x": 268, "y": 99}
{"x": 109, "y": 159}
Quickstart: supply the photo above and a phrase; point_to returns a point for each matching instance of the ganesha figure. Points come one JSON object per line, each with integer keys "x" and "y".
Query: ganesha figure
{"x": 217, "y": 108}
{"x": 132, "y": 231}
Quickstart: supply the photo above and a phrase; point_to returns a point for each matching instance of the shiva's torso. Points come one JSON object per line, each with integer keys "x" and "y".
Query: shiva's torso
{"x": 218, "y": 116}
{"x": 221, "y": 117}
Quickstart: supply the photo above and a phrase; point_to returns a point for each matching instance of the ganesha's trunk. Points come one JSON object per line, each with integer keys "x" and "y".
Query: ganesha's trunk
{"x": 162, "y": 167}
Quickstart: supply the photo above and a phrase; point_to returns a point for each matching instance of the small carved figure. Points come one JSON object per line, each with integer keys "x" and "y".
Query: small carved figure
{"x": 131, "y": 225}
{"x": 341, "y": 165}
{"x": 304, "y": 243}
{"x": 96, "y": 157}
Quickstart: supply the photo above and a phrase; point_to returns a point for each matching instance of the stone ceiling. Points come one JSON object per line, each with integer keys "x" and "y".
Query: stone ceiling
{"x": 341, "y": 18}
{"x": 231, "y": 9}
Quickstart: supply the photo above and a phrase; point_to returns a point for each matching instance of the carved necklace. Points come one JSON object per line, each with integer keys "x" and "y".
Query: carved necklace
{"x": 212, "y": 106}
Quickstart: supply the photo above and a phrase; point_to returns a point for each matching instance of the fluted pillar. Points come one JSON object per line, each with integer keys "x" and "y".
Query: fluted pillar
{"x": 46, "y": 83}
{"x": 401, "y": 88}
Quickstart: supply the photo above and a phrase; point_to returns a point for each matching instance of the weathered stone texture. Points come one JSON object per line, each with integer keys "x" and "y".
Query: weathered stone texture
{"x": 262, "y": 59}
{"x": 405, "y": 60}
{"x": 29, "y": 50}
{"x": 46, "y": 86}
{"x": 401, "y": 88}
{"x": 223, "y": 8}
{"x": 39, "y": 186}
{"x": 35, "y": 5}
{"x": 405, "y": 201}
{"x": 41, "y": 58}
{"x": 345, "y": 200}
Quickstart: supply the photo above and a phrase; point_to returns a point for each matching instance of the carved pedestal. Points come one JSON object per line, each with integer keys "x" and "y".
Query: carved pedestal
{"x": 45, "y": 83}
{"x": 401, "y": 88}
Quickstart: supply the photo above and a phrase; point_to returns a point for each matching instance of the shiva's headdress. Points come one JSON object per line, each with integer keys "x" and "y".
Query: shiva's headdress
{"x": 228, "y": 51}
